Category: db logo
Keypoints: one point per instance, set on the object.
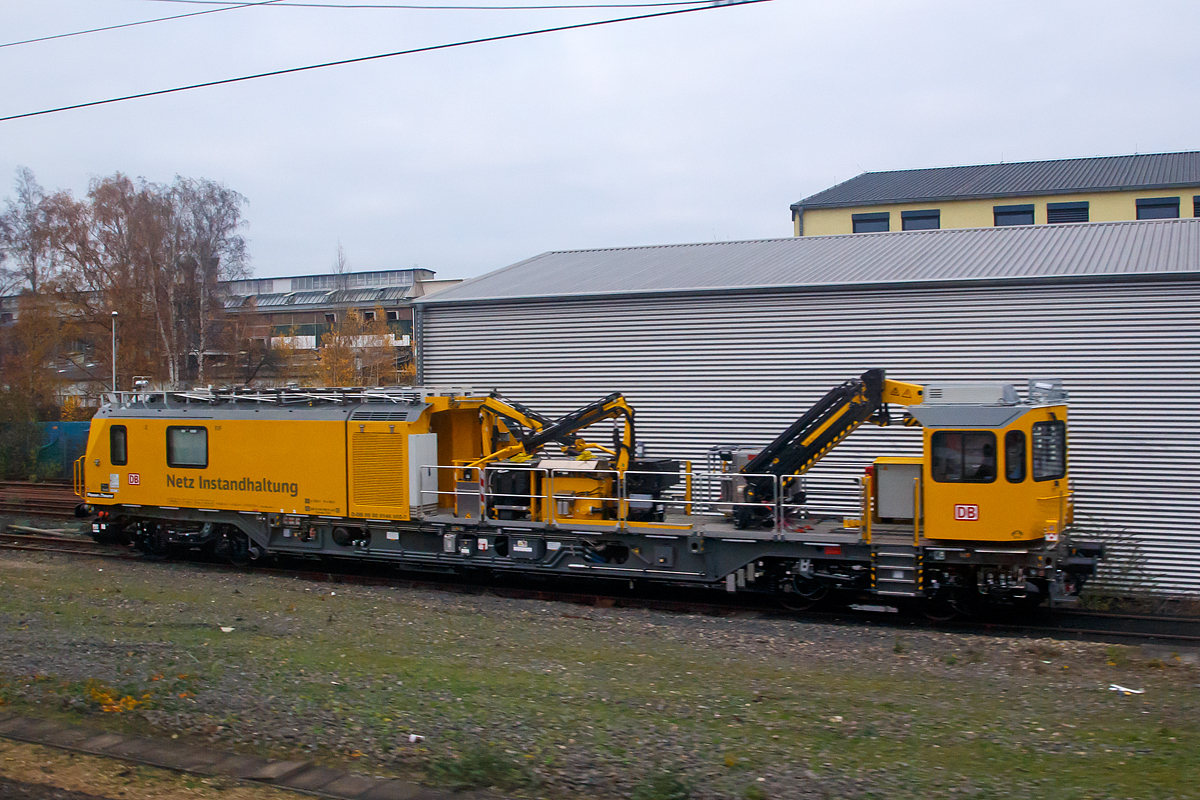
(967, 513)
(135, 479)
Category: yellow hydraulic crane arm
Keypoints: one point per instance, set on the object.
(542, 431)
(906, 394)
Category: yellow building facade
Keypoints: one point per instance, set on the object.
(1119, 188)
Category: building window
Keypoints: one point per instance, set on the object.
(1013, 215)
(1195, 207)
(872, 223)
(964, 456)
(925, 220)
(187, 447)
(1049, 450)
(1066, 212)
(1014, 456)
(331, 319)
(1158, 208)
(393, 316)
(368, 316)
(118, 452)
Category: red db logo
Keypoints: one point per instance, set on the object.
(135, 479)
(966, 513)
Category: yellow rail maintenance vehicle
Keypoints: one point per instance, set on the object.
(453, 479)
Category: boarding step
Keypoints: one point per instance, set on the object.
(896, 570)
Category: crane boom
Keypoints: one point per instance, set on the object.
(830, 420)
(542, 432)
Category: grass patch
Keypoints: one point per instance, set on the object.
(480, 767)
(718, 701)
(755, 792)
(662, 786)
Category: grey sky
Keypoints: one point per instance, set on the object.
(692, 128)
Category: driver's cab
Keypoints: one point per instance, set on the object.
(994, 466)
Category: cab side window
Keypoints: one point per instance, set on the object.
(1014, 456)
(187, 447)
(1049, 444)
(964, 456)
(118, 447)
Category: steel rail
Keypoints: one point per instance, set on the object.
(1049, 623)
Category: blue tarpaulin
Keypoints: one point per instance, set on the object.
(62, 444)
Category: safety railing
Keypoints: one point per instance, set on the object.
(77, 476)
(791, 513)
(536, 505)
(606, 497)
(459, 493)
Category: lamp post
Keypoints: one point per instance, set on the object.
(114, 332)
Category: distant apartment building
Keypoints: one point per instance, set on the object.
(1104, 189)
(304, 307)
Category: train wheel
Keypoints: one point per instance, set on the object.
(798, 593)
(156, 542)
(241, 550)
(947, 603)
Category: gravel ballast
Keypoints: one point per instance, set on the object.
(547, 699)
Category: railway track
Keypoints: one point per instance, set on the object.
(53, 500)
(1182, 632)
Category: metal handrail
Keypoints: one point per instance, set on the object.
(916, 512)
(457, 494)
(549, 512)
(868, 507)
(77, 476)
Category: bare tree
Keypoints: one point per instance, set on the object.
(339, 267)
(115, 250)
(211, 250)
(10, 277)
(24, 233)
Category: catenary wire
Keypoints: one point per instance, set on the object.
(360, 6)
(361, 59)
(226, 7)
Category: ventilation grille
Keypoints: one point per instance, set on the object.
(380, 416)
(379, 470)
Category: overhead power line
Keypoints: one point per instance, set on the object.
(226, 7)
(459, 8)
(361, 59)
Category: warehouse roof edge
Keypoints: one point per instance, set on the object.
(1068, 253)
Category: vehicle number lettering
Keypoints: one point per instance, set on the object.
(965, 512)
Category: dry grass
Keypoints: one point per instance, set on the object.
(31, 763)
(552, 700)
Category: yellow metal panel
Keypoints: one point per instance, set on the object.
(379, 470)
(909, 394)
(999, 511)
(292, 466)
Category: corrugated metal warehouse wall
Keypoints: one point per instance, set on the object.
(708, 369)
